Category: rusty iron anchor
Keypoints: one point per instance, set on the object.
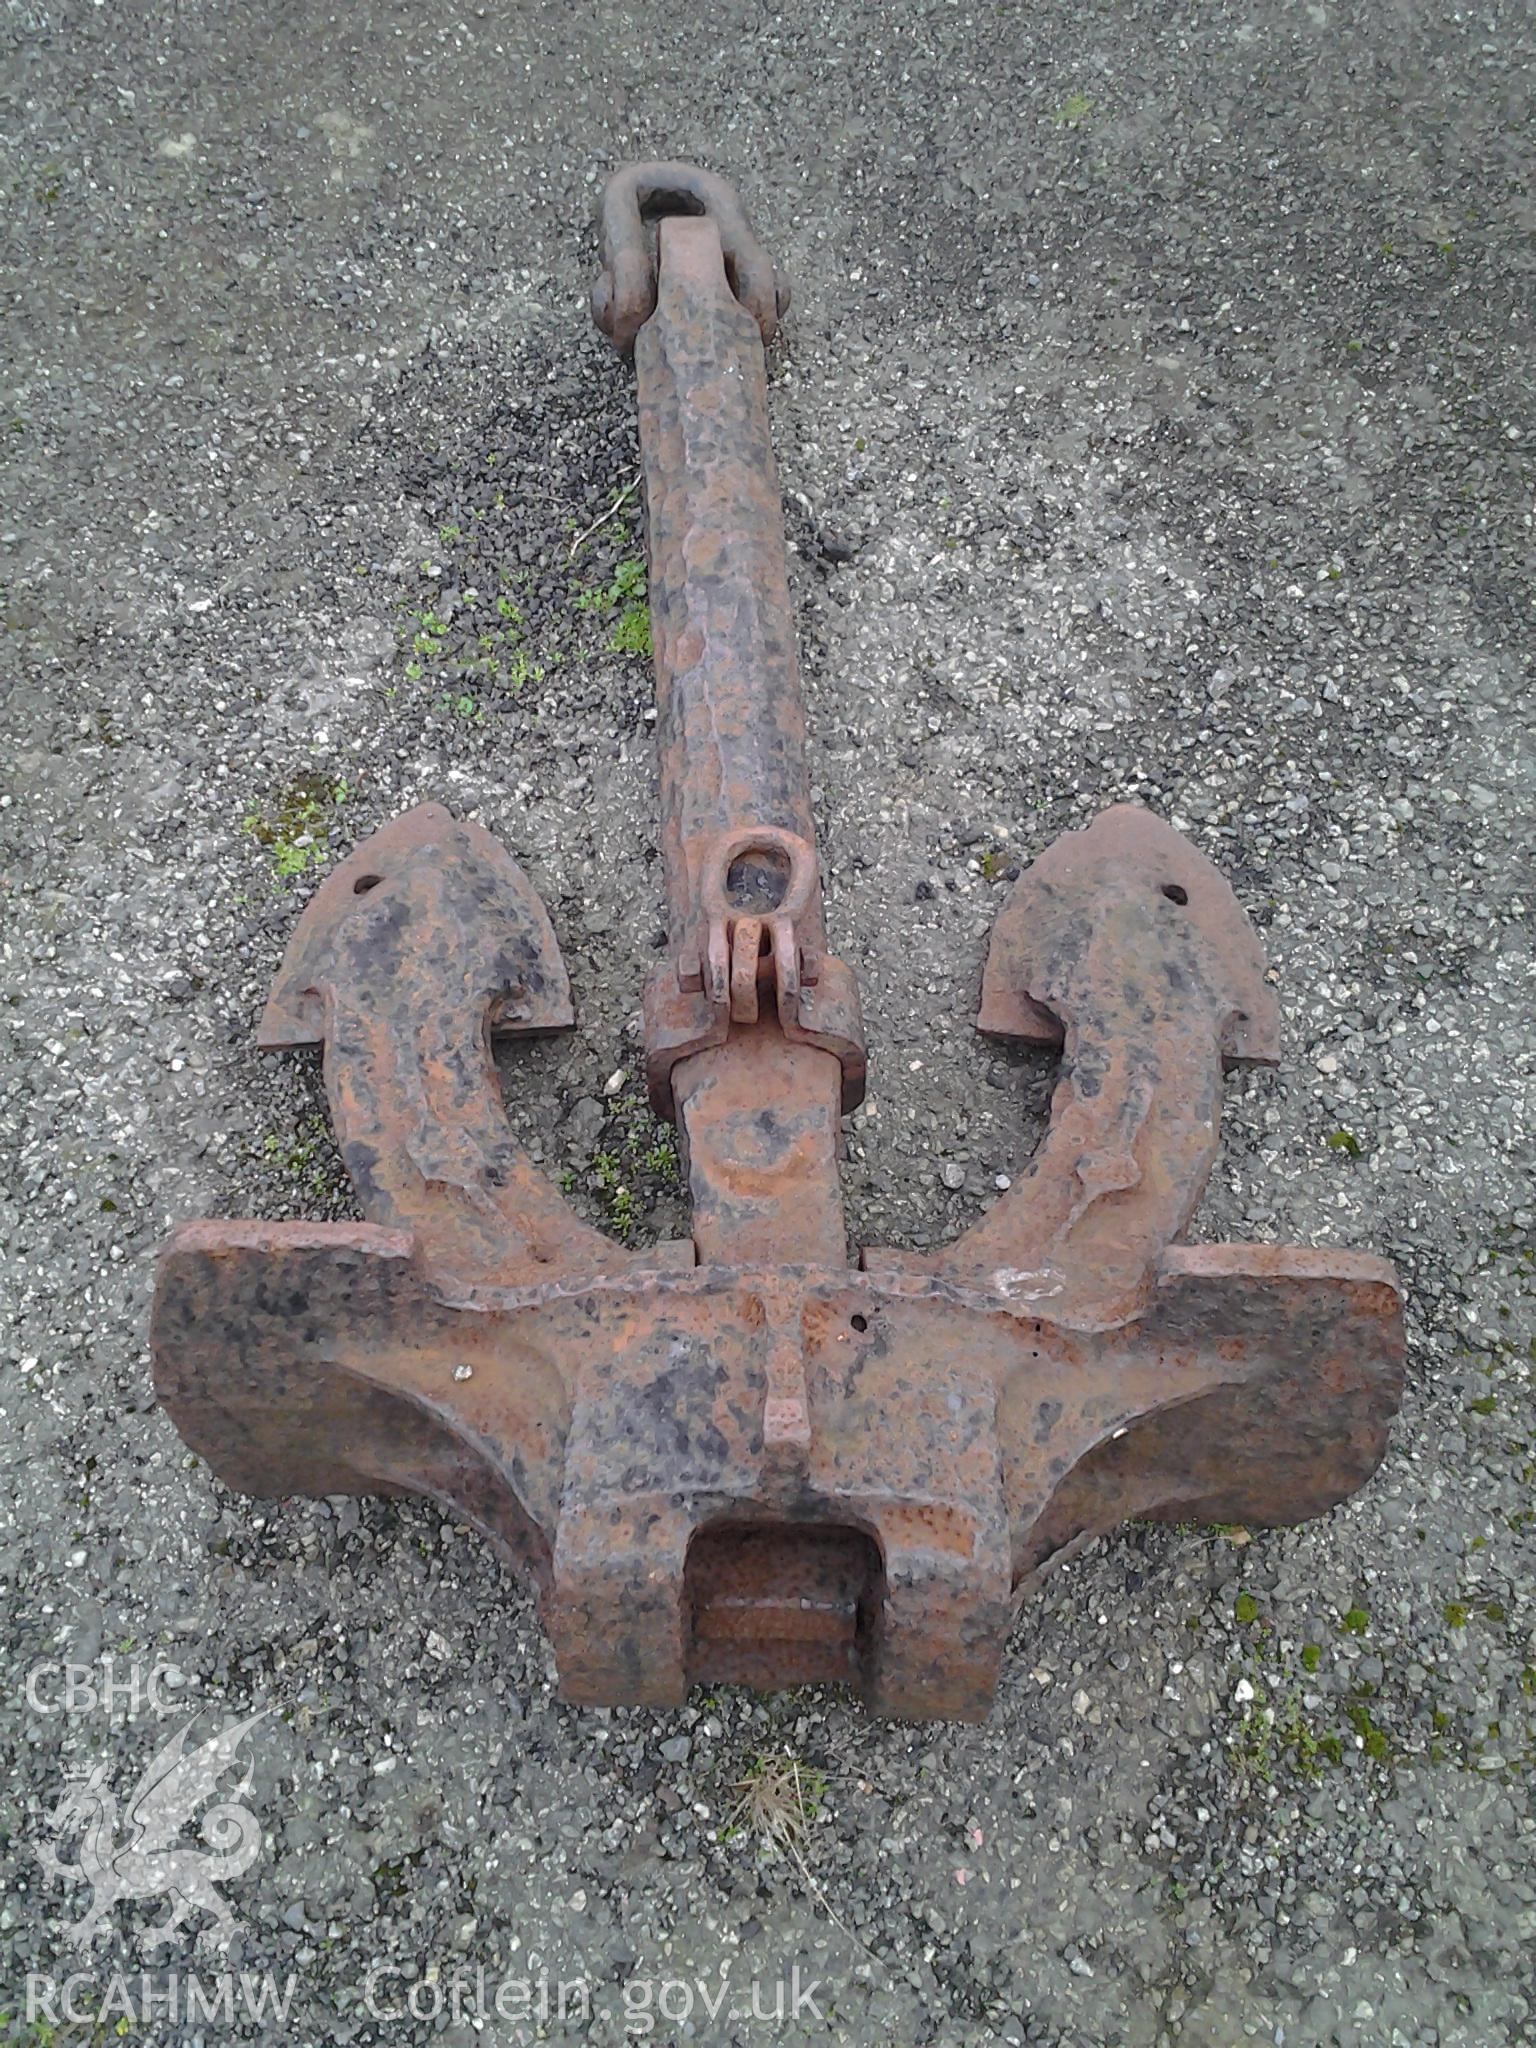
(747, 1458)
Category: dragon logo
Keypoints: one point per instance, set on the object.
(138, 1856)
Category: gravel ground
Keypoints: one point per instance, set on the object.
(1154, 421)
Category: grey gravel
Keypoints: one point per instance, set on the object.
(1154, 421)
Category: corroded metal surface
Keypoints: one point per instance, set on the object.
(743, 1459)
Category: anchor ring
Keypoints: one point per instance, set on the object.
(624, 296)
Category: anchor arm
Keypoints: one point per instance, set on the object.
(426, 940)
(1123, 943)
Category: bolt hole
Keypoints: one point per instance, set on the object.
(860, 1323)
(1174, 893)
(364, 883)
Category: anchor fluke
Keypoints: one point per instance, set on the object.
(423, 872)
(1128, 914)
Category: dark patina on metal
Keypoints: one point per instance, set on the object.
(749, 1457)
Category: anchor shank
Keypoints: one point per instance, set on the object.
(746, 930)
(730, 720)
(734, 1038)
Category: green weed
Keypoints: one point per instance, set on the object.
(293, 828)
